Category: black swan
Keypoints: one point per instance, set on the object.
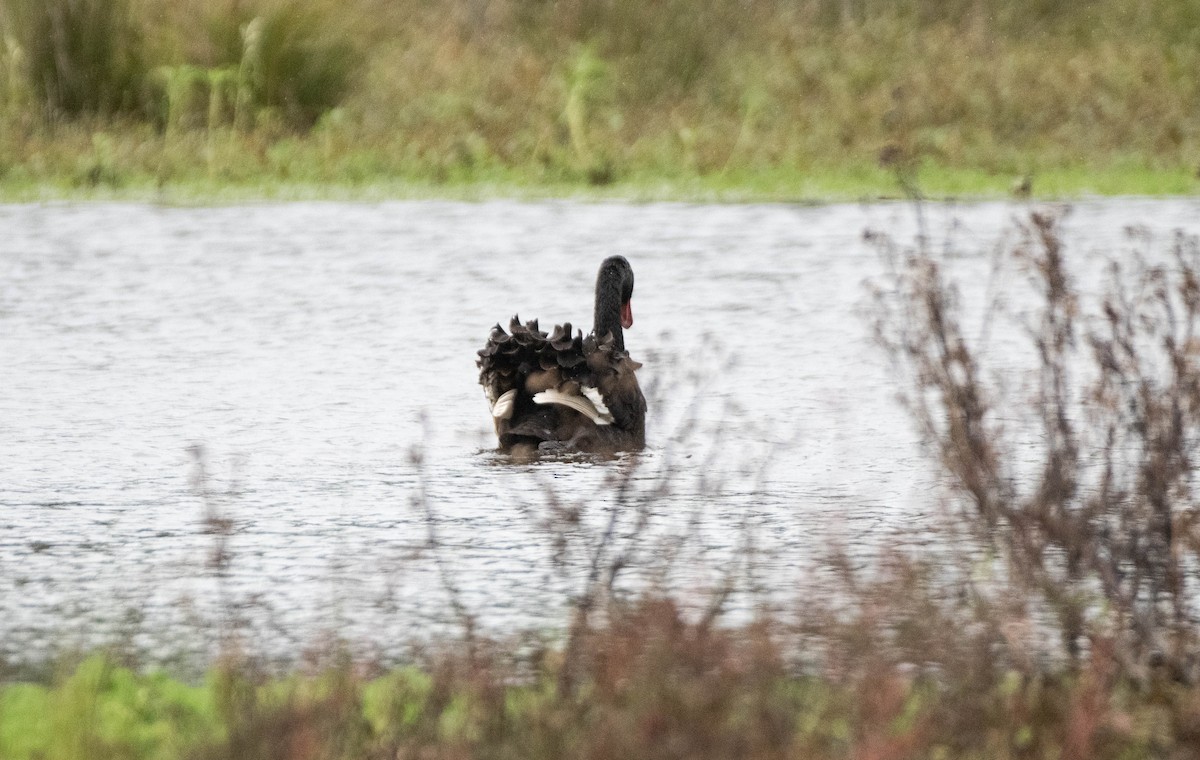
(563, 392)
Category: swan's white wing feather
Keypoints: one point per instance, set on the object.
(579, 403)
(593, 394)
(503, 408)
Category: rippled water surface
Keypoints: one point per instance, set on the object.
(300, 354)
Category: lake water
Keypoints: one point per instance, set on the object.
(299, 354)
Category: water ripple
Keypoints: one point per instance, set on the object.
(310, 348)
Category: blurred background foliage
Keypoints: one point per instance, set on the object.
(592, 90)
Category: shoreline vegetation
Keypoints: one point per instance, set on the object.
(681, 100)
(836, 185)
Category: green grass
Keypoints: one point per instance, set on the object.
(835, 184)
(652, 686)
(763, 99)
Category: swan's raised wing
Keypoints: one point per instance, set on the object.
(613, 376)
(506, 357)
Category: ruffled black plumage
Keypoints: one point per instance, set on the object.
(562, 390)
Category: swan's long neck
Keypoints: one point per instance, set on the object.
(607, 318)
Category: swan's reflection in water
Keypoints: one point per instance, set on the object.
(313, 348)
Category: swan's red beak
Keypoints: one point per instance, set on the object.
(627, 315)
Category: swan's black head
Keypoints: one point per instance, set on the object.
(614, 291)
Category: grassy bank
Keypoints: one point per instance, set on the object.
(835, 184)
(761, 99)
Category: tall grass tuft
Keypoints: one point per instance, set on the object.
(292, 58)
(80, 57)
(14, 83)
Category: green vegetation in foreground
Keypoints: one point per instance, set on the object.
(658, 687)
(682, 99)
